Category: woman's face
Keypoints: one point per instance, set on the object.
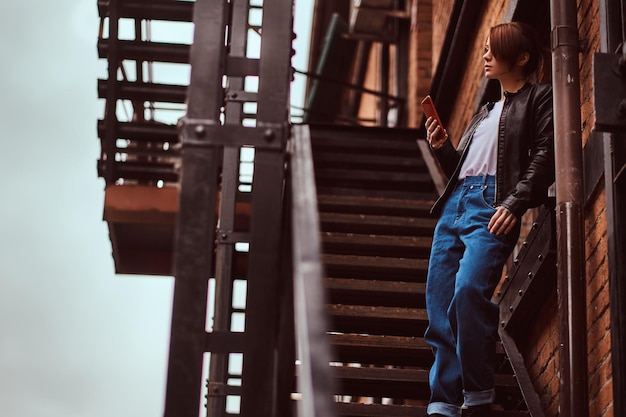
(494, 69)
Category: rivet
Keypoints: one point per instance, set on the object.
(520, 293)
(268, 135)
(530, 275)
(510, 308)
(200, 131)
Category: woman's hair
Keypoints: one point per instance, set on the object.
(509, 40)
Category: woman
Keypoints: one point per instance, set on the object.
(503, 165)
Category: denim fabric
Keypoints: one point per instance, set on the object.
(466, 263)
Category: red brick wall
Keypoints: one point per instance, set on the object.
(596, 251)
(420, 58)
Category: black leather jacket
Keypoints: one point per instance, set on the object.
(525, 150)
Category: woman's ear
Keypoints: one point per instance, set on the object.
(523, 59)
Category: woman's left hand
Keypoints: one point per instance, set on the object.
(502, 221)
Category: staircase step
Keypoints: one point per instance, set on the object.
(389, 382)
(372, 180)
(376, 224)
(372, 245)
(375, 292)
(377, 320)
(366, 144)
(404, 162)
(355, 409)
(358, 204)
(381, 350)
(375, 267)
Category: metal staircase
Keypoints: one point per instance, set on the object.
(374, 194)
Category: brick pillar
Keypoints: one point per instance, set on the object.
(420, 58)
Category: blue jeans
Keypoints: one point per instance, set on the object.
(466, 263)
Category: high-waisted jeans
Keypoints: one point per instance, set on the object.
(466, 263)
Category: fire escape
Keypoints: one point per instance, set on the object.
(323, 228)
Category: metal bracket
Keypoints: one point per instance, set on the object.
(609, 79)
(225, 237)
(206, 132)
(564, 36)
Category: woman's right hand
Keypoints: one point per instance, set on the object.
(435, 134)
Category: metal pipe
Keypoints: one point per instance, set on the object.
(572, 329)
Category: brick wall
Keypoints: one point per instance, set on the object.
(596, 250)
(420, 58)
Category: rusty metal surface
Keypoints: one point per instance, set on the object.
(572, 328)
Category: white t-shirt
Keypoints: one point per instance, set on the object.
(483, 151)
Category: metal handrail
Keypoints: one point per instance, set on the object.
(314, 379)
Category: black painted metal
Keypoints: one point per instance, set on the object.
(108, 156)
(262, 317)
(196, 219)
(610, 91)
(533, 275)
(227, 236)
(612, 35)
(530, 282)
(615, 182)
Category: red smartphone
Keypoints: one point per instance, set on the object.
(430, 110)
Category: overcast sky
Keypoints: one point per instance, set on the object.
(76, 340)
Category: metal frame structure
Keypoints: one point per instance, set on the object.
(213, 132)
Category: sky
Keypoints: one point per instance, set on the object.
(75, 338)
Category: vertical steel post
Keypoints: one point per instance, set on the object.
(259, 399)
(196, 216)
(224, 253)
(571, 284)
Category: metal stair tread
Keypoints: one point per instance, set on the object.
(375, 262)
(327, 219)
(341, 238)
(392, 177)
(376, 286)
(378, 312)
(327, 158)
(332, 202)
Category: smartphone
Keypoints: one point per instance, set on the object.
(430, 110)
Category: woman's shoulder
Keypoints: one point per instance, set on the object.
(538, 89)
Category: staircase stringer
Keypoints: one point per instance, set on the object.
(530, 282)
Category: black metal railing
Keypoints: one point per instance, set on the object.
(315, 381)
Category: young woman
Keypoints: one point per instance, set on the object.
(503, 165)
